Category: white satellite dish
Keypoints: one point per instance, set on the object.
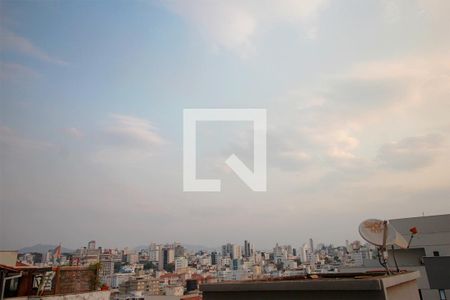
(381, 233)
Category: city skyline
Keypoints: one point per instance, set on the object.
(187, 245)
(405, 248)
(92, 98)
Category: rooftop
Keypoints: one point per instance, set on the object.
(338, 281)
(373, 285)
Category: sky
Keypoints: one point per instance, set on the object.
(92, 94)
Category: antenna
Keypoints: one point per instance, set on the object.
(382, 234)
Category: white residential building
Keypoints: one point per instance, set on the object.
(180, 263)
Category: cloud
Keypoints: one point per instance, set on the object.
(412, 152)
(233, 25)
(134, 131)
(14, 71)
(13, 142)
(341, 144)
(13, 43)
(398, 10)
(128, 139)
(73, 132)
(335, 114)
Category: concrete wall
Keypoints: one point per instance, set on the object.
(397, 287)
(98, 295)
(162, 297)
(407, 290)
(290, 295)
(433, 294)
(422, 281)
(433, 232)
(438, 271)
(8, 258)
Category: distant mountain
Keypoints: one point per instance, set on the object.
(190, 248)
(40, 248)
(195, 248)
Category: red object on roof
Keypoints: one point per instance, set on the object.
(169, 275)
(57, 252)
(197, 276)
(413, 230)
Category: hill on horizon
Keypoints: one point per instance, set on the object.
(42, 248)
(188, 247)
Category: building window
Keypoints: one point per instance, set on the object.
(13, 285)
(435, 253)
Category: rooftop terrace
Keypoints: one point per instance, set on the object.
(367, 286)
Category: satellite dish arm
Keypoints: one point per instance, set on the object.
(383, 249)
(385, 231)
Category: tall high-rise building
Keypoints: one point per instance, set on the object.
(279, 254)
(233, 251)
(91, 245)
(153, 252)
(166, 257)
(236, 252)
(181, 263)
(236, 264)
(106, 268)
(227, 249)
(307, 254)
(179, 251)
(248, 249)
(214, 258)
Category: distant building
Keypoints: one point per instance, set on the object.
(139, 285)
(118, 278)
(248, 249)
(167, 256)
(174, 290)
(132, 258)
(279, 254)
(226, 250)
(91, 245)
(236, 252)
(236, 263)
(307, 253)
(179, 251)
(311, 245)
(106, 268)
(181, 263)
(214, 258)
(153, 252)
(232, 250)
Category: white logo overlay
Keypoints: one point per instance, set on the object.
(256, 180)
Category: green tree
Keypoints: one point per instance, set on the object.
(170, 267)
(149, 265)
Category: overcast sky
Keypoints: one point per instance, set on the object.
(92, 93)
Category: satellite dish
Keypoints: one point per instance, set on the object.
(381, 233)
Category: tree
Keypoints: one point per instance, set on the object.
(94, 276)
(117, 266)
(280, 266)
(170, 267)
(149, 265)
